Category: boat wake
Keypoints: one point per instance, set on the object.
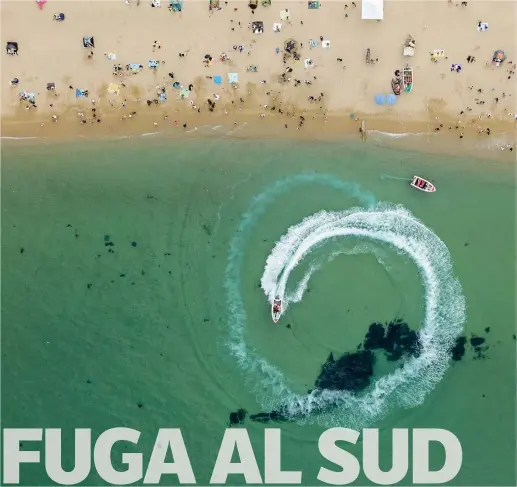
(391, 225)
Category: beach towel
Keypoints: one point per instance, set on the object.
(313, 43)
(111, 56)
(308, 63)
(233, 78)
(313, 5)
(391, 99)
(277, 27)
(163, 97)
(153, 64)
(28, 96)
(114, 89)
(482, 26)
(184, 93)
(218, 80)
(325, 44)
(285, 14)
(81, 93)
(135, 68)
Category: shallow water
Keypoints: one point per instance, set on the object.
(100, 333)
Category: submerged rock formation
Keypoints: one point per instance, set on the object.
(353, 371)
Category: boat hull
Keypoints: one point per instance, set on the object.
(428, 187)
(275, 315)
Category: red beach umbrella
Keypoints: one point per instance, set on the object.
(41, 3)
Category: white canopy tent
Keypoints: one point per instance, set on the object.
(372, 10)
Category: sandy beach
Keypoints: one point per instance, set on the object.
(280, 96)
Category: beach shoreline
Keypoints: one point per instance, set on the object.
(475, 108)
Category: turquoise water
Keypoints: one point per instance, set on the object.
(99, 336)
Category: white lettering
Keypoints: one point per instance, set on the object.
(12, 454)
(400, 452)
(453, 456)
(330, 451)
(102, 457)
(247, 466)
(172, 438)
(83, 456)
(273, 473)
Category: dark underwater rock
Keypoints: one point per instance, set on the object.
(475, 341)
(458, 350)
(397, 340)
(350, 372)
(267, 417)
(238, 417)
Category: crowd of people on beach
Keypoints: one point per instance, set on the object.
(196, 100)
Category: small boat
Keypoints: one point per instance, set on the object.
(407, 79)
(422, 184)
(276, 309)
(396, 85)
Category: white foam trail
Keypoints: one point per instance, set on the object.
(398, 135)
(445, 308)
(20, 138)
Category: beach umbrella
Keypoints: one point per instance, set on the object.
(290, 45)
(380, 99)
(41, 3)
(391, 99)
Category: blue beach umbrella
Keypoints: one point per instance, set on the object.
(380, 99)
(392, 99)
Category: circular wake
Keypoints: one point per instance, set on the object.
(387, 224)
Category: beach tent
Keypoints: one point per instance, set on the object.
(372, 10)
(257, 27)
(176, 5)
(11, 48)
(88, 42)
(290, 45)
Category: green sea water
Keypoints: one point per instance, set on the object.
(115, 300)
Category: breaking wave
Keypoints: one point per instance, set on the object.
(392, 225)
